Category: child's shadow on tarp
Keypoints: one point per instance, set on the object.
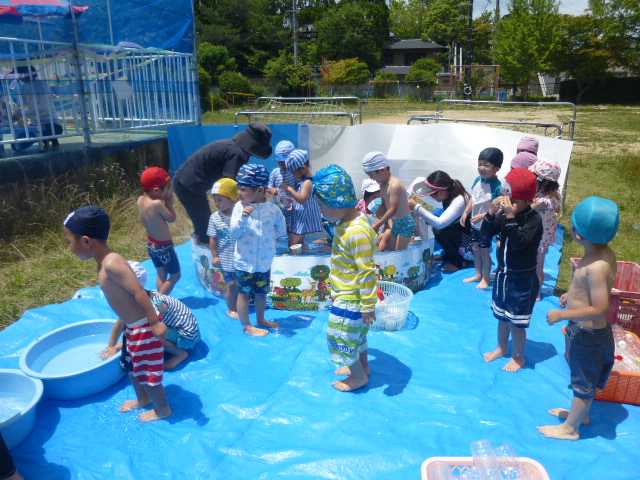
(185, 405)
(605, 417)
(195, 303)
(199, 351)
(289, 325)
(537, 352)
(48, 417)
(387, 370)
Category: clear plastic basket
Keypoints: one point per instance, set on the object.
(391, 314)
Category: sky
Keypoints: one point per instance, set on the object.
(570, 7)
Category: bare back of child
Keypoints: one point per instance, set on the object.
(87, 229)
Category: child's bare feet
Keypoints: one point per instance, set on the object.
(559, 431)
(131, 405)
(351, 383)
(268, 323)
(233, 314)
(483, 285)
(515, 364)
(254, 331)
(497, 353)
(176, 359)
(153, 415)
(564, 413)
(347, 371)
(476, 278)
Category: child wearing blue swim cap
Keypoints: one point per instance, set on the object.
(87, 231)
(255, 225)
(590, 341)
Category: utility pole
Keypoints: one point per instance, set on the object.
(295, 32)
(467, 74)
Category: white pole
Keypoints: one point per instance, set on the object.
(110, 22)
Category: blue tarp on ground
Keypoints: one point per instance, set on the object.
(265, 408)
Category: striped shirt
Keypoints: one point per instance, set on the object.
(179, 316)
(219, 229)
(307, 217)
(353, 270)
(279, 176)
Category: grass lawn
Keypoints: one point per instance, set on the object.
(36, 267)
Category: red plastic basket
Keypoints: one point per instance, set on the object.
(624, 301)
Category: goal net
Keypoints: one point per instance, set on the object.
(318, 110)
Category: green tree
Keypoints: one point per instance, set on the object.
(385, 76)
(483, 39)
(354, 28)
(407, 18)
(215, 59)
(423, 72)
(582, 52)
(234, 82)
(350, 71)
(620, 24)
(447, 23)
(248, 28)
(291, 80)
(526, 39)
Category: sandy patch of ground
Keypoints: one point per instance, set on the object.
(555, 116)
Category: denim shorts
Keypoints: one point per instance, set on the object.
(591, 357)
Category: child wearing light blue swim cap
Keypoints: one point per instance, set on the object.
(353, 277)
(590, 341)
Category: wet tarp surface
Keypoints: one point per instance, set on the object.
(250, 408)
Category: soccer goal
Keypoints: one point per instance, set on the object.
(323, 110)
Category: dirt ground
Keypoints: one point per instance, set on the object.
(556, 115)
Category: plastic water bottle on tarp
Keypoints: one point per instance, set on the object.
(627, 354)
(509, 462)
(485, 460)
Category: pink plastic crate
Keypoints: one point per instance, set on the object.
(459, 465)
(624, 301)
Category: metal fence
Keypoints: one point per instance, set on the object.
(50, 90)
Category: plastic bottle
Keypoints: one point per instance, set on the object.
(485, 460)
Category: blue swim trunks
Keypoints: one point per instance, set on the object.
(404, 227)
(257, 282)
(163, 255)
(514, 296)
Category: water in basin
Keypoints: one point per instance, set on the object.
(72, 356)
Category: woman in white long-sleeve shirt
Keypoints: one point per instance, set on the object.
(447, 229)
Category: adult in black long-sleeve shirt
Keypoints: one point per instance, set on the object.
(222, 158)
